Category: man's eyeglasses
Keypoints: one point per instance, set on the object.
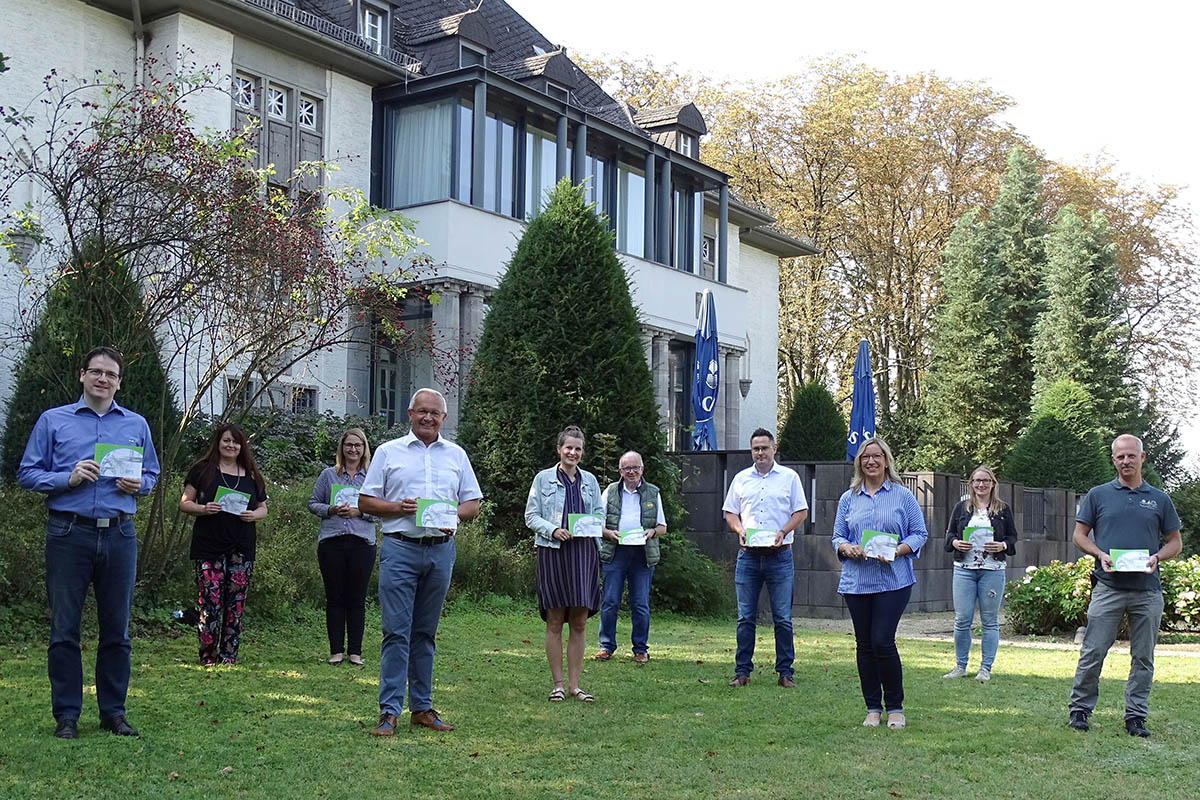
(630, 470)
(103, 373)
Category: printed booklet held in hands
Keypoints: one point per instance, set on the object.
(341, 494)
(437, 514)
(119, 460)
(232, 501)
(585, 526)
(876, 544)
(1129, 560)
(633, 536)
(760, 537)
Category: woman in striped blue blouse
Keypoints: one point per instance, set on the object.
(874, 515)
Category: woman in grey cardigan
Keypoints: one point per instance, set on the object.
(345, 545)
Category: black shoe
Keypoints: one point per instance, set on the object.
(66, 729)
(117, 725)
(1136, 726)
(1078, 721)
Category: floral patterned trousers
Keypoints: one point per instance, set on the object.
(221, 587)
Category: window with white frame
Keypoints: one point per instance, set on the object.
(373, 25)
(686, 144)
(277, 102)
(244, 91)
(306, 112)
(708, 249)
(239, 393)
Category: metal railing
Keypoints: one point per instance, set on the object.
(287, 10)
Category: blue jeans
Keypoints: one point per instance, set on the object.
(777, 571)
(413, 580)
(880, 674)
(79, 555)
(984, 587)
(629, 562)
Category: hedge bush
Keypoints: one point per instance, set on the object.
(1054, 598)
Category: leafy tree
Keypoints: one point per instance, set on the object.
(560, 346)
(1186, 498)
(243, 273)
(815, 429)
(1078, 337)
(92, 303)
(1061, 446)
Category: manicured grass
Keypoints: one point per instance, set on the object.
(283, 724)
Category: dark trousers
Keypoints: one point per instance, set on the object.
(875, 618)
(79, 555)
(346, 562)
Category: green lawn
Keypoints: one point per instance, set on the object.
(284, 724)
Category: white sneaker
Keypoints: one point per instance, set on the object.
(984, 674)
(957, 672)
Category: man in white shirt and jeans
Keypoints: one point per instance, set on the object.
(415, 562)
(765, 497)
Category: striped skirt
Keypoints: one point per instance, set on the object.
(569, 576)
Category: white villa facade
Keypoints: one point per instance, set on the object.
(459, 114)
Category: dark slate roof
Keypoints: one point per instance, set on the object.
(684, 115)
(468, 24)
(514, 39)
(555, 66)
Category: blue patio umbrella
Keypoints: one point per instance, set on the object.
(862, 403)
(706, 378)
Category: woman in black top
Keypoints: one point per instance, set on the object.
(980, 558)
(226, 494)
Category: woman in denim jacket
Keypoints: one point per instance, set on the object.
(568, 583)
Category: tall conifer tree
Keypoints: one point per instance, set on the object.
(1078, 336)
(561, 346)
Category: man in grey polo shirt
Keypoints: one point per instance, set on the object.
(1125, 514)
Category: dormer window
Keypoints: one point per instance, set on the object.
(686, 143)
(558, 92)
(471, 57)
(372, 25)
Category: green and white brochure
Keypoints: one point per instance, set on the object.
(760, 537)
(232, 501)
(585, 526)
(437, 513)
(1129, 560)
(978, 536)
(119, 460)
(633, 536)
(876, 544)
(341, 494)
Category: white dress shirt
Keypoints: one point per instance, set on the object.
(406, 467)
(766, 502)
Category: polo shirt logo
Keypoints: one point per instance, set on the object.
(1149, 504)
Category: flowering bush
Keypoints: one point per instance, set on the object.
(1054, 598)
(1181, 594)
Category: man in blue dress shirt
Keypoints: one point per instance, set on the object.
(89, 534)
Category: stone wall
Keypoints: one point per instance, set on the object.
(1045, 519)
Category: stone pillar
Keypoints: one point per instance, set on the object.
(478, 145)
(650, 219)
(664, 212)
(470, 329)
(733, 401)
(723, 234)
(659, 367)
(561, 150)
(579, 165)
(446, 337)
